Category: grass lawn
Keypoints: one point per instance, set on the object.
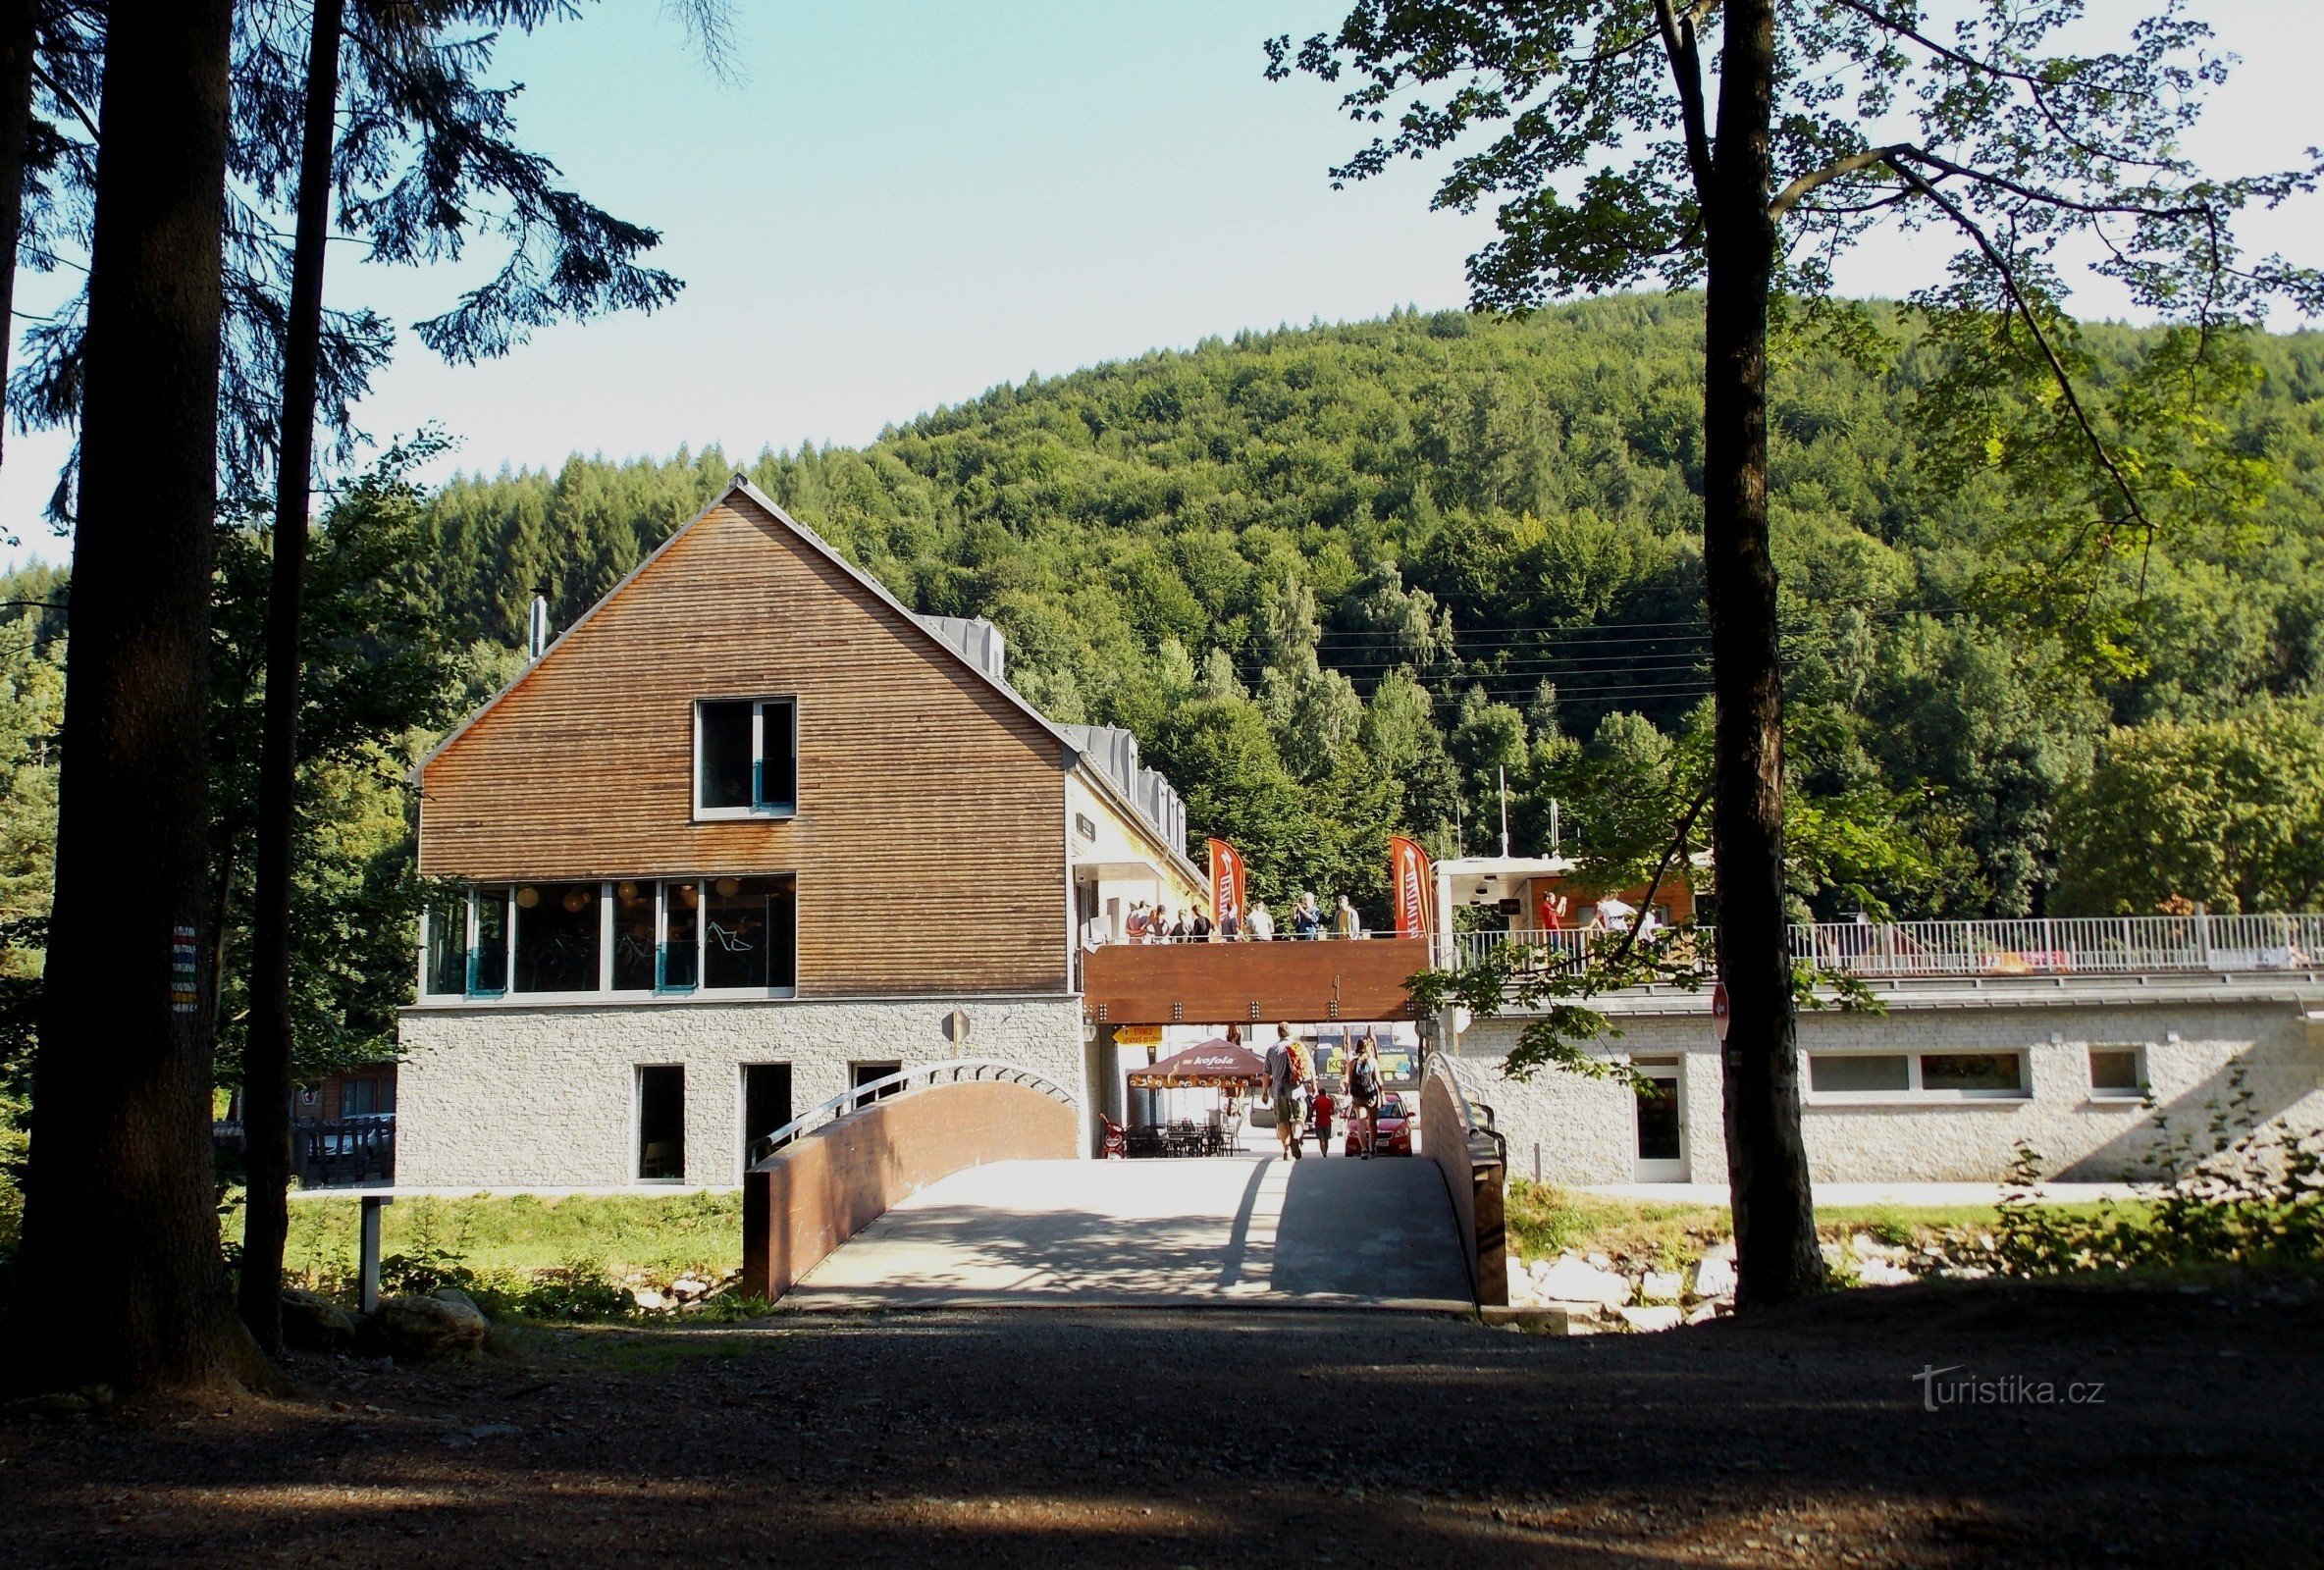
(1544, 1221)
(662, 1236)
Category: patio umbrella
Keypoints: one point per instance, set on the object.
(1213, 1064)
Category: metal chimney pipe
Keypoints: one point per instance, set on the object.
(536, 640)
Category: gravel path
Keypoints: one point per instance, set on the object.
(1068, 1436)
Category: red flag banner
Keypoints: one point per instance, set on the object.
(1411, 875)
(1225, 882)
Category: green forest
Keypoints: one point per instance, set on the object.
(1345, 581)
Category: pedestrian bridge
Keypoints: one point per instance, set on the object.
(954, 1183)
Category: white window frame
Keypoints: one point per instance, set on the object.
(2138, 1052)
(756, 810)
(1914, 1094)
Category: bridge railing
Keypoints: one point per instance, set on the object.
(920, 1077)
(1457, 1135)
(2112, 945)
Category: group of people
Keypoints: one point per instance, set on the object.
(1153, 923)
(1557, 915)
(1302, 1101)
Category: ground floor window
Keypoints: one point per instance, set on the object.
(863, 1074)
(661, 1123)
(2115, 1073)
(626, 936)
(1842, 1077)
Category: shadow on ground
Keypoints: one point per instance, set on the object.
(1164, 1438)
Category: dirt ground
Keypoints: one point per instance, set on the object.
(1059, 1437)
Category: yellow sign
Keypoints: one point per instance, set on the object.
(1137, 1035)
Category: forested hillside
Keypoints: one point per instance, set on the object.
(1340, 578)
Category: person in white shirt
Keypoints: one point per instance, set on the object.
(1261, 923)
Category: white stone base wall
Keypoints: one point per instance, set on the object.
(1587, 1133)
(511, 1095)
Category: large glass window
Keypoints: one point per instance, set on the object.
(681, 947)
(444, 968)
(558, 925)
(635, 941)
(749, 933)
(1967, 1072)
(1856, 1073)
(744, 757)
(488, 973)
(1916, 1077)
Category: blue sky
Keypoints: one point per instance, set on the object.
(901, 205)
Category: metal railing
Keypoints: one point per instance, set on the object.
(924, 1076)
(2111, 945)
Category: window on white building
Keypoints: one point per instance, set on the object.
(2115, 1074)
(1844, 1076)
(661, 1123)
(640, 936)
(746, 757)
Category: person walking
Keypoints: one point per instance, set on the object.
(1324, 1108)
(1262, 922)
(1346, 923)
(1363, 1089)
(1286, 1087)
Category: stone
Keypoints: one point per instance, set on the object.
(313, 1323)
(421, 1329)
(1656, 1316)
(1725, 1252)
(649, 1299)
(1865, 1246)
(1661, 1287)
(1714, 1275)
(1601, 1261)
(1569, 1281)
(457, 1299)
(686, 1289)
(1880, 1272)
(1704, 1314)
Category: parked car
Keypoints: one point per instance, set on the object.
(1396, 1129)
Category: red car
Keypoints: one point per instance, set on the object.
(1396, 1129)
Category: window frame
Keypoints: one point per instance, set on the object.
(1914, 1094)
(477, 898)
(637, 1122)
(2134, 1096)
(760, 807)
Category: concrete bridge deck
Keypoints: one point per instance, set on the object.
(1230, 1231)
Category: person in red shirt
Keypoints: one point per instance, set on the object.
(1320, 1115)
(1552, 910)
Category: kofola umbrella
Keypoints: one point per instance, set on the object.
(1213, 1064)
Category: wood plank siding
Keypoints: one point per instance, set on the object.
(928, 843)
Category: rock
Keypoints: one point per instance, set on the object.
(457, 1299)
(1658, 1317)
(1714, 1275)
(1704, 1314)
(1569, 1281)
(686, 1289)
(313, 1323)
(1865, 1246)
(1880, 1272)
(649, 1299)
(1661, 1287)
(1725, 1252)
(1601, 1261)
(418, 1329)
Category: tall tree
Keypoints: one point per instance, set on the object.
(425, 144)
(266, 1058)
(118, 1193)
(1831, 116)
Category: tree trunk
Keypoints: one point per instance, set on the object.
(1766, 1162)
(267, 1049)
(124, 1283)
(19, 35)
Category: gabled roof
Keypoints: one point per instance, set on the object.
(934, 629)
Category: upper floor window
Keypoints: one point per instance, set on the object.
(746, 757)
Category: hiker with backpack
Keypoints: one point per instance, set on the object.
(1363, 1092)
(1291, 1078)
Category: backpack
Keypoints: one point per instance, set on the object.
(1365, 1078)
(1303, 1068)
